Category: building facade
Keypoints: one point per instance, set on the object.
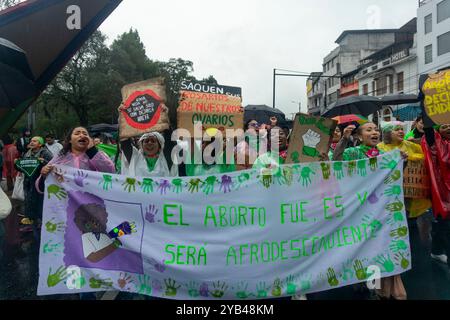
(353, 46)
(392, 70)
(315, 93)
(433, 35)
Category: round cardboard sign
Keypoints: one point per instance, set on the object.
(142, 109)
(437, 97)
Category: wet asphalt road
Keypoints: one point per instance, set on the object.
(428, 280)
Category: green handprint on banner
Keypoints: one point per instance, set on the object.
(208, 187)
(385, 262)
(398, 245)
(276, 288)
(266, 179)
(305, 282)
(242, 291)
(326, 170)
(395, 206)
(402, 260)
(389, 163)
(219, 289)
(360, 270)
(177, 185)
(393, 191)
(145, 286)
(362, 171)
(57, 277)
(194, 185)
(98, 283)
(351, 168)
(347, 270)
(56, 191)
(193, 289)
(288, 174)
(50, 247)
(53, 227)
(242, 179)
(106, 182)
(129, 184)
(338, 170)
(373, 163)
(291, 285)
(396, 217)
(332, 279)
(395, 176)
(375, 225)
(306, 176)
(262, 290)
(147, 185)
(399, 233)
(295, 157)
(171, 287)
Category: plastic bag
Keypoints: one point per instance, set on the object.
(5, 205)
(18, 192)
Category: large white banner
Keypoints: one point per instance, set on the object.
(244, 235)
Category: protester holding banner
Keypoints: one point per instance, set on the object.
(79, 152)
(369, 136)
(393, 138)
(225, 163)
(30, 164)
(149, 160)
(277, 153)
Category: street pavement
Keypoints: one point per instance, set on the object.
(428, 279)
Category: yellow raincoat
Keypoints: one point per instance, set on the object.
(415, 207)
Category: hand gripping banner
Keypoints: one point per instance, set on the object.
(245, 235)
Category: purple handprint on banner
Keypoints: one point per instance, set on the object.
(151, 213)
(204, 290)
(226, 184)
(163, 186)
(79, 178)
(159, 266)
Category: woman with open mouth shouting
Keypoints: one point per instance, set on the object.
(78, 152)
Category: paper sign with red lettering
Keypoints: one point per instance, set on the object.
(143, 108)
(211, 105)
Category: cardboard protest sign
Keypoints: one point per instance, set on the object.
(416, 181)
(144, 108)
(28, 166)
(212, 105)
(220, 236)
(310, 137)
(437, 97)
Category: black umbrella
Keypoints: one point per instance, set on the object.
(15, 88)
(263, 113)
(103, 127)
(363, 105)
(15, 57)
(396, 99)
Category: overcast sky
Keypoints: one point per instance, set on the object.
(240, 42)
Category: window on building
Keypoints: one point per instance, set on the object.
(381, 86)
(391, 83)
(428, 54)
(443, 43)
(400, 81)
(443, 10)
(366, 89)
(374, 87)
(428, 23)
